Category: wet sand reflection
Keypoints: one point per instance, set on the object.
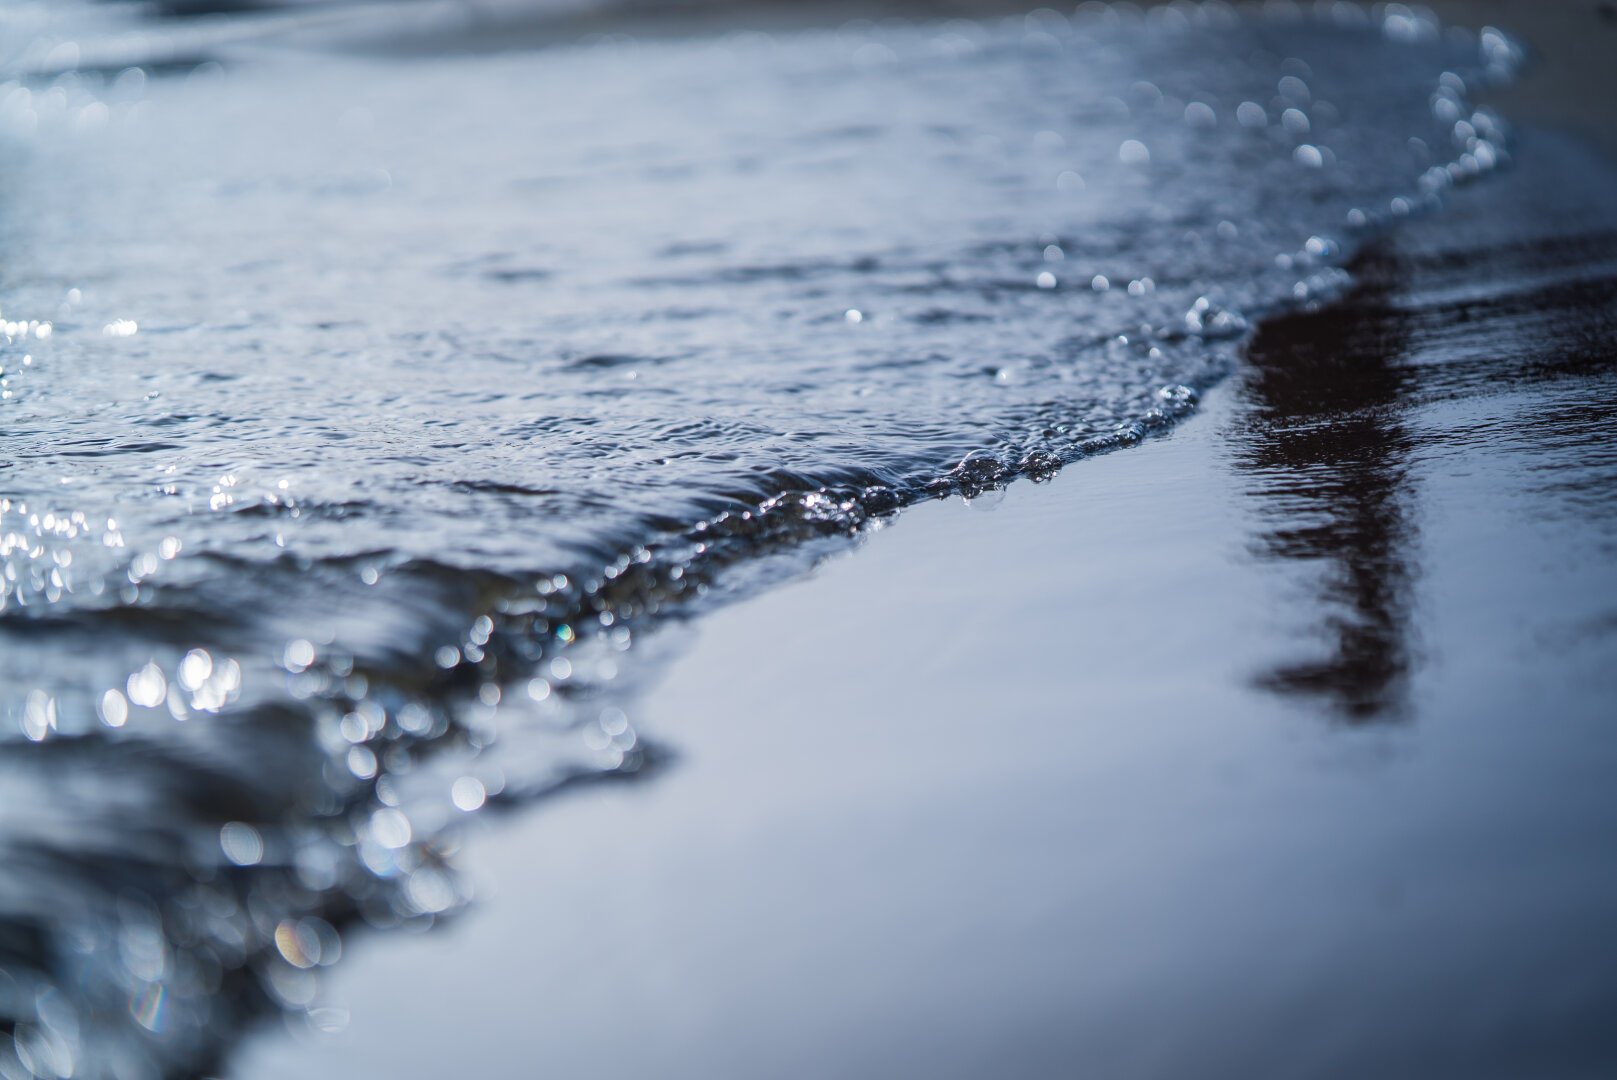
(1327, 451)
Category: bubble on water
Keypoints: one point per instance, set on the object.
(195, 668)
(613, 720)
(241, 843)
(1200, 115)
(147, 687)
(978, 472)
(114, 709)
(390, 828)
(38, 715)
(1178, 398)
(468, 793)
(298, 655)
(303, 943)
(1295, 91)
(362, 762)
(430, 890)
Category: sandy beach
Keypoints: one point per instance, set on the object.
(614, 539)
(1278, 746)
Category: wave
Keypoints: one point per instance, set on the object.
(374, 422)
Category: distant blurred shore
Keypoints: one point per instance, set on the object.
(1570, 81)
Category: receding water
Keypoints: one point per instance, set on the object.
(369, 393)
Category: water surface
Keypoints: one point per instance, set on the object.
(365, 402)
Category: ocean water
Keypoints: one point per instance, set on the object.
(372, 392)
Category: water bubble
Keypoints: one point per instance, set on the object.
(241, 843)
(390, 828)
(1200, 115)
(978, 472)
(39, 715)
(613, 720)
(299, 655)
(468, 793)
(194, 669)
(430, 890)
(114, 709)
(362, 762)
(298, 942)
(147, 687)
(1049, 142)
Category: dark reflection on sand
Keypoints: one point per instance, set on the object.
(1509, 316)
(1329, 458)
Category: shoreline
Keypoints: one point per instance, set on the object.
(1276, 744)
(1279, 743)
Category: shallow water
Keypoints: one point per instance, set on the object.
(365, 403)
(1292, 758)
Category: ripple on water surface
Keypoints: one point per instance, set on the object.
(361, 413)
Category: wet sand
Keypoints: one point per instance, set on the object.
(1278, 746)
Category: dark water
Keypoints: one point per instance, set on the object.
(366, 401)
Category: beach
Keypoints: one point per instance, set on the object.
(583, 541)
(1275, 746)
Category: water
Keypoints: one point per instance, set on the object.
(368, 397)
